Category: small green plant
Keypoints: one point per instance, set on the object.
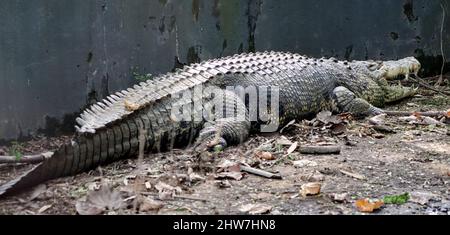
(396, 199)
(140, 77)
(15, 150)
(79, 192)
(279, 148)
(218, 149)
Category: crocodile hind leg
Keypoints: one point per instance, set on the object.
(347, 101)
(230, 124)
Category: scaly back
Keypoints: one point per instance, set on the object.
(116, 107)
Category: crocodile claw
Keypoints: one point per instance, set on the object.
(211, 144)
(376, 111)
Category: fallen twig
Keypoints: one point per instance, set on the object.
(333, 149)
(185, 197)
(425, 114)
(354, 175)
(28, 159)
(259, 172)
(429, 86)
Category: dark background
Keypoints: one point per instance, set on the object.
(57, 56)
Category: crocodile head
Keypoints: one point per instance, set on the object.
(406, 66)
(389, 69)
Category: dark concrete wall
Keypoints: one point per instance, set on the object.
(57, 56)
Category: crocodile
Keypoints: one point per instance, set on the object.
(110, 130)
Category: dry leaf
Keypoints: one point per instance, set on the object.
(416, 118)
(326, 117)
(283, 141)
(44, 208)
(378, 120)
(166, 195)
(93, 186)
(86, 209)
(194, 177)
(304, 163)
(166, 191)
(378, 136)
(293, 147)
(354, 175)
(421, 198)
(408, 119)
(230, 175)
(163, 187)
(223, 184)
(256, 209)
(311, 189)
(339, 197)
(260, 196)
(129, 106)
(417, 115)
(345, 116)
(148, 204)
(229, 166)
(431, 121)
(288, 125)
(366, 205)
(317, 177)
(99, 201)
(338, 129)
(37, 191)
(226, 165)
(235, 168)
(265, 156)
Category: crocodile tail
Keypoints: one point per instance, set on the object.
(28, 179)
(85, 152)
(40, 173)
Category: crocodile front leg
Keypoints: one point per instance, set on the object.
(230, 124)
(347, 101)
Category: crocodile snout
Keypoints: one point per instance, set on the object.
(406, 67)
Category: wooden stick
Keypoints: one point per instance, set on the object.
(354, 175)
(259, 172)
(185, 197)
(425, 114)
(334, 149)
(27, 159)
(429, 87)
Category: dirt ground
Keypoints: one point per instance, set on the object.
(411, 157)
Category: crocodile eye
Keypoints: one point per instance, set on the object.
(372, 67)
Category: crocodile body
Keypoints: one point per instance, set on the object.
(109, 130)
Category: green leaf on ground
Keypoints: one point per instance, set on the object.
(15, 150)
(396, 199)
